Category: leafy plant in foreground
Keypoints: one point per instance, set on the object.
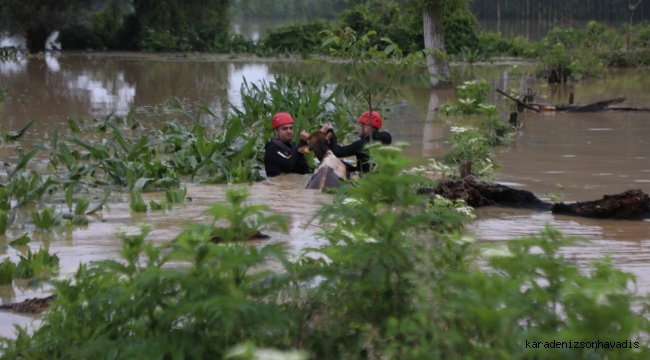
(527, 293)
(125, 308)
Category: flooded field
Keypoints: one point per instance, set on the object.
(588, 154)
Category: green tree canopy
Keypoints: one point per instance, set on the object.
(37, 19)
(199, 23)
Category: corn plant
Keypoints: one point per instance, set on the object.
(160, 206)
(37, 264)
(82, 205)
(4, 199)
(13, 136)
(243, 221)
(4, 222)
(46, 218)
(137, 203)
(7, 272)
(23, 240)
(175, 197)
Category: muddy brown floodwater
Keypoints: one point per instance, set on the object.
(588, 154)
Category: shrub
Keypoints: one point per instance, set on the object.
(302, 38)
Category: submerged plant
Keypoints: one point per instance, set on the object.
(243, 221)
(160, 206)
(7, 272)
(4, 222)
(472, 145)
(472, 97)
(137, 202)
(175, 197)
(46, 218)
(38, 264)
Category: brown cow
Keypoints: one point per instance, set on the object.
(331, 169)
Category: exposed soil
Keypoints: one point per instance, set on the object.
(30, 306)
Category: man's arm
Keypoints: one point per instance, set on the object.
(382, 136)
(344, 151)
(276, 162)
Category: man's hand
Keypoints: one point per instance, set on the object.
(304, 135)
(326, 128)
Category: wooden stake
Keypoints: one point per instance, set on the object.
(465, 169)
(513, 120)
(571, 88)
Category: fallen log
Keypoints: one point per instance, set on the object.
(30, 306)
(626, 108)
(629, 205)
(597, 106)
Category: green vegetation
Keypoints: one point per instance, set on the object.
(243, 221)
(389, 282)
(474, 144)
(137, 203)
(4, 222)
(373, 74)
(579, 53)
(46, 218)
(7, 272)
(175, 197)
(38, 265)
(35, 20)
(168, 25)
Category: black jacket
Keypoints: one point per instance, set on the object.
(284, 157)
(356, 148)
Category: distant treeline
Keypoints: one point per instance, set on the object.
(562, 10)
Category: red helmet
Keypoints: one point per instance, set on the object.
(371, 118)
(280, 119)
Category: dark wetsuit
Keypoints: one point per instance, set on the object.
(284, 157)
(357, 147)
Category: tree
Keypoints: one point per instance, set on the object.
(36, 20)
(201, 24)
(433, 12)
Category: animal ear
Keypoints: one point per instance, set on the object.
(328, 137)
(304, 149)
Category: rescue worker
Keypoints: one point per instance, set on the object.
(369, 124)
(282, 155)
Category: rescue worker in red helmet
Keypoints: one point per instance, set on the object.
(369, 124)
(282, 155)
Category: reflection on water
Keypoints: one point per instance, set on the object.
(589, 154)
(626, 242)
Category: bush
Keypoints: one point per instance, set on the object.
(302, 38)
(460, 29)
(75, 37)
(152, 40)
(390, 282)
